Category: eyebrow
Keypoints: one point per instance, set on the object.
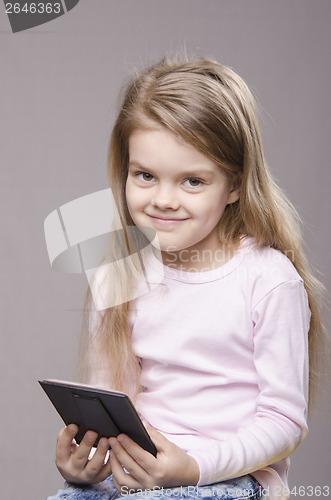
(190, 171)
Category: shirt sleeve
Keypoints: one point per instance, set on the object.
(280, 335)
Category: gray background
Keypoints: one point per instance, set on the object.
(59, 86)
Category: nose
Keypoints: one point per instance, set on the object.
(165, 198)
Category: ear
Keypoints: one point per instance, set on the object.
(234, 194)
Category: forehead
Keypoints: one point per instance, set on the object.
(160, 146)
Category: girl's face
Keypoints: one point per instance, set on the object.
(176, 190)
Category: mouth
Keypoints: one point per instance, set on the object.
(166, 220)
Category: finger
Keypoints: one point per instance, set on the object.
(96, 466)
(106, 471)
(81, 455)
(117, 486)
(161, 442)
(145, 423)
(65, 441)
(120, 477)
(134, 458)
(74, 446)
(158, 439)
(141, 456)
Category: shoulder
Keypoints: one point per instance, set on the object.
(266, 269)
(267, 261)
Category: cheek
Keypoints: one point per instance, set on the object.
(211, 215)
(127, 193)
(130, 201)
(131, 195)
(135, 198)
(209, 209)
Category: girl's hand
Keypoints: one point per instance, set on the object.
(172, 466)
(73, 462)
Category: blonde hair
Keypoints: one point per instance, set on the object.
(210, 107)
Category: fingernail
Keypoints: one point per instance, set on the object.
(91, 437)
(112, 441)
(104, 444)
(72, 428)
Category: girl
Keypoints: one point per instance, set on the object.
(216, 354)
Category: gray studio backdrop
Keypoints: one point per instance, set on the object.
(59, 95)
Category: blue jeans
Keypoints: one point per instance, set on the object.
(243, 488)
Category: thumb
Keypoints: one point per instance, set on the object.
(64, 441)
(158, 439)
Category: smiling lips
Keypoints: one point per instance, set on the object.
(165, 220)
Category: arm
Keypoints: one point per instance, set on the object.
(281, 323)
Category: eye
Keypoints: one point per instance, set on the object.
(193, 182)
(144, 176)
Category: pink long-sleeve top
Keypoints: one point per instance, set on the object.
(224, 364)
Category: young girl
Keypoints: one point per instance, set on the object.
(215, 356)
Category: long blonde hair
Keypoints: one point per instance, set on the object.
(210, 107)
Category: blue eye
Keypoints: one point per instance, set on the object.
(144, 176)
(193, 182)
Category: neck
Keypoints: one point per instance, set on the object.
(198, 260)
